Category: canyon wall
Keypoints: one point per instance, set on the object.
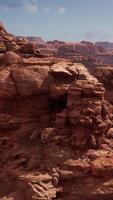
(56, 126)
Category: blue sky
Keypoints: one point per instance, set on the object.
(69, 20)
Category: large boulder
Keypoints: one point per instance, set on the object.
(7, 86)
(30, 80)
(27, 48)
(10, 58)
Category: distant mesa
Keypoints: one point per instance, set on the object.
(106, 45)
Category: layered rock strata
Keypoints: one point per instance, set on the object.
(55, 133)
(56, 127)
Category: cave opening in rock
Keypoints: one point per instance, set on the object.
(58, 105)
(58, 195)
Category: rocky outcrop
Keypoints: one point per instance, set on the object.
(30, 81)
(7, 41)
(49, 117)
(105, 58)
(20, 45)
(34, 40)
(106, 45)
(56, 127)
(87, 113)
(10, 58)
(105, 76)
(83, 49)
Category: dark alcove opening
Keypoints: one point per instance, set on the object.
(58, 105)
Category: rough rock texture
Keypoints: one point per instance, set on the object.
(35, 40)
(10, 58)
(17, 44)
(106, 58)
(56, 130)
(105, 76)
(7, 40)
(106, 45)
(71, 49)
(49, 117)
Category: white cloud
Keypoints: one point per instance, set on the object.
(61, 10)
(31, 7)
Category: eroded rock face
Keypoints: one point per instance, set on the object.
(10, 44)
(87, 113)
(56, 129)
(6, 84)
(10, 58)
(49, 117)
(105, 76)
(72, 49)
(30, 80)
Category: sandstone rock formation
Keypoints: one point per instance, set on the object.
(56, 129)
(92, 55)
(71, 49)
(34, 40)
(105, 76)
(106, 45)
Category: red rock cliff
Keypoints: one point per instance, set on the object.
(56, 128)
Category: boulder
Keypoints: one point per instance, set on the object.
(10, 58)
(7, 86)
(27, 48)
(59, 70)
(30, 80)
